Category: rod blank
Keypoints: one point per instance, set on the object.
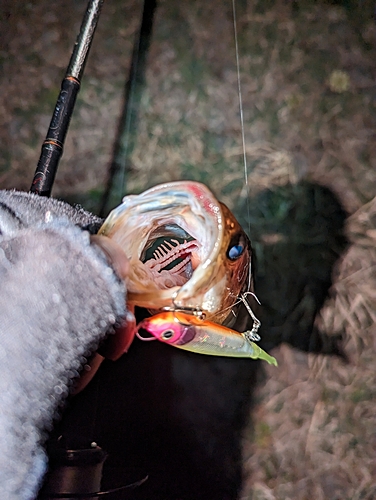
(52, 147)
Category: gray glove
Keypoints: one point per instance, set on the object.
(58, 299)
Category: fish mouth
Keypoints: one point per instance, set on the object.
(170, 255)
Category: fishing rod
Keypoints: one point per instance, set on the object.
(52, 148)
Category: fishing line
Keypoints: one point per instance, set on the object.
(241, 109)
(242, 129)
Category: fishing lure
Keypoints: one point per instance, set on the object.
(191, 333)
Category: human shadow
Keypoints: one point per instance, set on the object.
(297, 232)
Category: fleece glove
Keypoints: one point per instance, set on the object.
(59, 298)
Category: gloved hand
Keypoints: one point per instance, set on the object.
(113, 346)
(60, 296)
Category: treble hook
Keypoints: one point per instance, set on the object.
(251, 334)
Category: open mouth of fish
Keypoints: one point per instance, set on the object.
(186, 250)
(171, 255)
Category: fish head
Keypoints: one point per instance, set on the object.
(169, 327)
(186, 249)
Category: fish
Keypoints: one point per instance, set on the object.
(188, 332)
(186, 250)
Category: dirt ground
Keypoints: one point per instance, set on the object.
(308, 84)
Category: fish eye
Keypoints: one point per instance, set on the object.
(236, 247)
(167, 334)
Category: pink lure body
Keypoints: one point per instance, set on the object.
(200, 336)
